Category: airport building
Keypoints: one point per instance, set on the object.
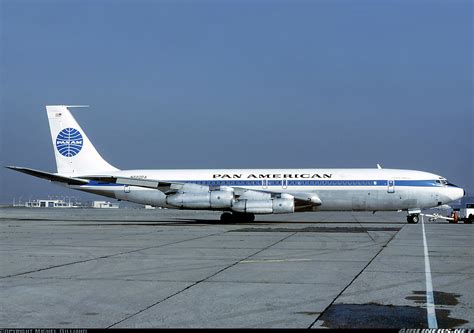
(60, 203)
(104, 204)
(48, 203)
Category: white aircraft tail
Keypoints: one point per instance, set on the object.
(74, 152)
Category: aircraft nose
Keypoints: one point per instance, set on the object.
(453, 193)
(458, 193)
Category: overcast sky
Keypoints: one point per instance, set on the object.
(240, 84)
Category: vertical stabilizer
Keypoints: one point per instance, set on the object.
(75, 154)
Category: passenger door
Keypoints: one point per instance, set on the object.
(391, 186)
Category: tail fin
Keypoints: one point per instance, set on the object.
(75, 154)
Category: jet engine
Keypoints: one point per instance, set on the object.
(272, 206)
(219, 199)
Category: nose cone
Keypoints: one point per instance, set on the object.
(455, 193)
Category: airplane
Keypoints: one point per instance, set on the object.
(239, 193)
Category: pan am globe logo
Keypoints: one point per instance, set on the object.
(69, 142)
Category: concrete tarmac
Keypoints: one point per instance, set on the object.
(165, 268)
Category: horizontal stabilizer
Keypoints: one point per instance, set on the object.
(49, 176)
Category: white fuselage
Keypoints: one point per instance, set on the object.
(338, 189)
(239, 193)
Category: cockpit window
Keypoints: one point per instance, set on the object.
(442, 181)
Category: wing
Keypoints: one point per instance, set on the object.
(166, 187)
(302, 199)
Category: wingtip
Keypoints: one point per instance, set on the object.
(14, 167)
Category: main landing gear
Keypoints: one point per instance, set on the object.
(237, 217)
(413, 218)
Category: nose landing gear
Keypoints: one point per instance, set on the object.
(413, 218)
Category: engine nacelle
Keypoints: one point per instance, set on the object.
(283, 206)
(140, 195)
(201, 200)
(221, 199)
(272, 206)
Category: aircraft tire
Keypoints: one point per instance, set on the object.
(243, 217)
(250, 218)
(413, 219)
(226, 217)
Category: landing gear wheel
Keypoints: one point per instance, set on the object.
(414, 218)
(237, 217)
(250, 217)
(226, 217)
(243, 217)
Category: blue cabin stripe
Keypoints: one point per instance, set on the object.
(294, 182)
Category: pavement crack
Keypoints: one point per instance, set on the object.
(108, 256)
(355, 278)
(202, 280)
(367, 231)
